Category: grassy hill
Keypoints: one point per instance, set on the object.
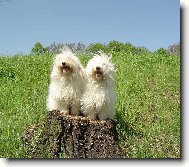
(147, 102)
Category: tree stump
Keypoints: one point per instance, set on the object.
(68, 136)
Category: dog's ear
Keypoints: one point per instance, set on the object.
(107, 56)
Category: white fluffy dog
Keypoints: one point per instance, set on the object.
(99, 97)
(67, 83)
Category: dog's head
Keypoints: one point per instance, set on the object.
(100, 67)
(66, 64)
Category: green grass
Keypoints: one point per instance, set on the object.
(147, 102)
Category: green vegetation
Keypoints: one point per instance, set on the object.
(112, 46)
(39, 49)
(147, 103)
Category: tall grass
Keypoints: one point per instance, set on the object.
(147, 102)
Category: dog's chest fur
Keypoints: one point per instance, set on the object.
(98, 96)
(66, 89)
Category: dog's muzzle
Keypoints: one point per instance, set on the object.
(98, 74)
(66, 68)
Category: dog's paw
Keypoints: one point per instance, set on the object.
(103, 116)
(92, 116)
(64, 112)
(75, 112)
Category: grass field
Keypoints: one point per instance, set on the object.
(147, 102)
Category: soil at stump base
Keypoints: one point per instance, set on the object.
(71, 136)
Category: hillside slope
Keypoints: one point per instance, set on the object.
(147, 102)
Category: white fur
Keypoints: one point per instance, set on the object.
(66, 88)
(99, 96)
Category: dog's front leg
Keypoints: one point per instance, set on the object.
(103, 115)
(64, 110)
(75, 109)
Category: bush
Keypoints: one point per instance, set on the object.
(174, 49)
(141, 50)
(39, 49)
(95, 47)
(115, 46)
(111, 47)
(161, 51)
(75, 47)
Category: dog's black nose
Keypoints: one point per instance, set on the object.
(97, 68)
(63, 63)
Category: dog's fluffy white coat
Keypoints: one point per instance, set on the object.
(66, 85)
(99, 96)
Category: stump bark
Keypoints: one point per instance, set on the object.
(71, 136)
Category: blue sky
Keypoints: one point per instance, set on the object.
(149, 23)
